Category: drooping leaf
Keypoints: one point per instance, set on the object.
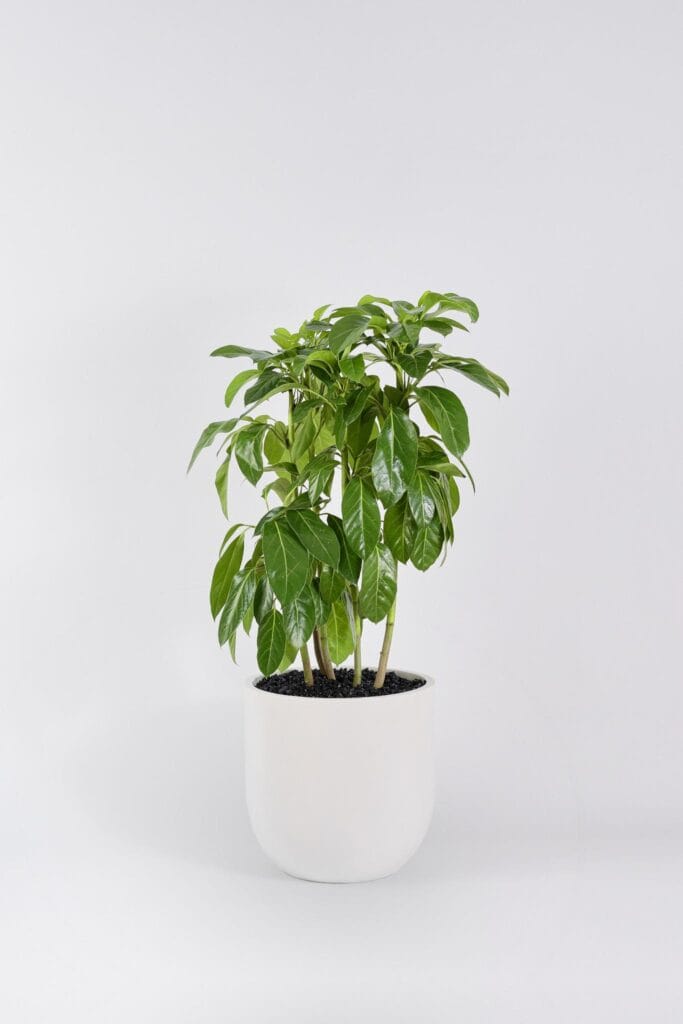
(267, 384)
(209, 435)
(299, 616)
(285, 559)
(304, 437)
(355, 404)
(318, 473)
(421, 499)
(427, 545)
(239, 599)
(226, 567)
(395, 458)
(378, 585)
(321, 608)
(449, 300)
(360, 517)
(222, 483)
(270, 642)
(445, 412)
(288, 657)
(263, 599)
(332, 584)
(316, 536)
(347, 331)
(238, 382)
(339, 633)
(359, 432)
(249, 451)
(399, 530)
(475, 371)
(256, 355)
(349, 561)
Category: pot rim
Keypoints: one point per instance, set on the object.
(250, 684)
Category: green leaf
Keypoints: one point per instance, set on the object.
(226, 567)
(321, 608)
(332, 584)
(449, 300)
(209, 435)
(286, 560)
(323, 364)
(339, 633)
(222, 484)
(349, 561)
(315, 536)
(474, 371)
(427, 545)
(288, 657)
(415, 363)
(347, 331)
(318, 473)
(304, 437)
(395, 458)
(240, 596)
(238, 382)
(263, 599)
(268, 383)
(445, 412)
(378, 586)
(355, 405)
(270, 642)
(421, 499)
(234, 351)
(353, 367)
(249, 451)
(360, 516)
(299, 617)
(360, 431)
(399, 530)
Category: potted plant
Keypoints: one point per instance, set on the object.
(359, 475)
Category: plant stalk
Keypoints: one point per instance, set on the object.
(327, 666)
(308, 671)
(358, 629)
(386, 647)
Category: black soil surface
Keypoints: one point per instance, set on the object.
(292, 684)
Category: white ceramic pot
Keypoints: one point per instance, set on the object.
(340, 789)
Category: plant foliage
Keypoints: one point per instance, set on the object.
(371, 430)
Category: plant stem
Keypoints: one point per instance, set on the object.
(358, 629)
(318, 649)
(308, 671)
(386, 647)
(328, 667)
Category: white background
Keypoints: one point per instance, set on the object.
(181, 175)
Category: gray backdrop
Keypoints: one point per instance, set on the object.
(177, 176)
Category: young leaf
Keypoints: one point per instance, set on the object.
(209, 435)
(445, 412)
(315, 536)
(378, 586)
(299, 616)
(240, 596)
(270, 642)
(360, 516)
(399, 530)
(427, 545)
(249, 451)
(339, 633)
(226, 567)
(395, 458)
(237, 382)
(286, 560)
(347, 331)
(353, 367)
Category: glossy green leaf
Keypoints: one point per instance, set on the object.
(353, 367)
(360, 516)
(267, 384)
(270, 642)
(209, 435)
(378, 584)
(304, 437)
(332, 584)
(321, 608)
(239, 599)
(339, 633)
(415, 363)
(395, 458)
(427, 545)
(263, 599)
(399, 530)
(347, 331)
(474, 371)
(318, 538)
(299, 616)
(238, 382)
(222, 484)
(249, 451)
(226, 567)
(285, 559)
(421, 499)
(349, 561)
(288, 658)
(445, 412)
(234, 351)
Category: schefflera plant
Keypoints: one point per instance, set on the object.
(311, 574)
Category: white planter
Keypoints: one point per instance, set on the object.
(340, 789)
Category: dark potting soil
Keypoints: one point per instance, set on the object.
(291, 684)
